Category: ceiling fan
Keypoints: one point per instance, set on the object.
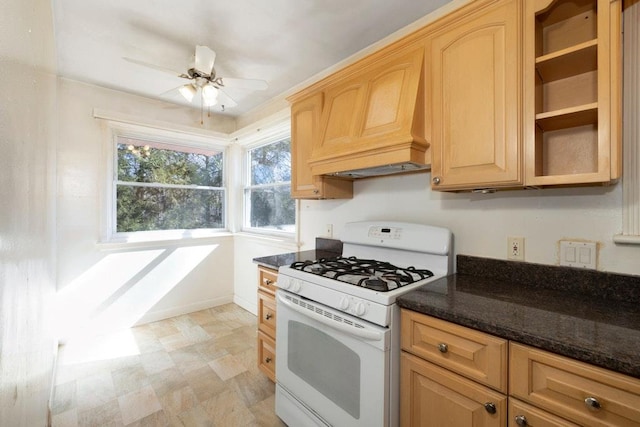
(204, 80)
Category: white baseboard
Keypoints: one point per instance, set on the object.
(250, 306)
(154, 316)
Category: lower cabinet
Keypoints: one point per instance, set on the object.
(434, 397)
(450, 376)
(267, 284)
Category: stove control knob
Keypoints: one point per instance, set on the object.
(360, 308)
(295, 286)
(344, 303)
(285, 283)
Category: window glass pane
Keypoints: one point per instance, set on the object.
(271, 163)
(151, 164)
(272, 208)
(149, 208)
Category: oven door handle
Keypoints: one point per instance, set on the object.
(350, 330)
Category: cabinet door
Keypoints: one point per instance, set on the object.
(305, 129)
(475, 67)
(431, 396)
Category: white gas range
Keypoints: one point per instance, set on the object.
(338, 330)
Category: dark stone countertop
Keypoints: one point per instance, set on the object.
(589, 316)
(325, 248)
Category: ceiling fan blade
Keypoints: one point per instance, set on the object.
(225, 101)
(252, 84)
(205, 58)
(157, 67)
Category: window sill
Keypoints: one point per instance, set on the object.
(169, 239)
(626, 239)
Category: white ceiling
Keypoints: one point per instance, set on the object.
(281, 41)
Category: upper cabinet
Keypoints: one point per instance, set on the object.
(573, 91)
(497, 94)
(474, 71)
(375, 116)
(305, 128)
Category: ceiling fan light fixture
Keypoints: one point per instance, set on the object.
(188, 91)
(209, 95)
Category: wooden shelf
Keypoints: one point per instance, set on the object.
(568, 117)
(571, 61)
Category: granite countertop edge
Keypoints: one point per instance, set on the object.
(585, 354)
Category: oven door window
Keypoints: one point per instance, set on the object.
(326, 364)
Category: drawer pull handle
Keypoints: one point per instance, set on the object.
(267, 360)
(521, 420)
(443, 347)
(436, 180)
(267, 282)
(490, 407)
(268, 316)
(592, 404)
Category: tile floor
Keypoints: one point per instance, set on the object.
(193, 370)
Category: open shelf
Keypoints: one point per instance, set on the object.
(577, 59)
(568, 117)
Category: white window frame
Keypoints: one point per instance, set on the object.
(631, 129)
(261, 138)
(161, 136)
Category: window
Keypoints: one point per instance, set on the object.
(268, 203)
(163, 186)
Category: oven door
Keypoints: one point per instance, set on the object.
(331, 368)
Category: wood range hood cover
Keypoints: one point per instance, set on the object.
(372, 120)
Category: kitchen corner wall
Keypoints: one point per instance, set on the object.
(107, 286)
(481, 222)
(27, 215)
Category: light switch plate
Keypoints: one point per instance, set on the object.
(578, 254)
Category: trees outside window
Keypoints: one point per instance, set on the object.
(161, 186)
(268, 202)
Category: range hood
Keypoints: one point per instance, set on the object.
(373, 119)
(382, 170)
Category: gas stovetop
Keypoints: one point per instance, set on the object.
(367, 273)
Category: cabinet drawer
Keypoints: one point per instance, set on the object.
(432, 396)
(565, 387)
(267, 355)
(268, 280)
(267, 313)
(471, 353)
(521, 414)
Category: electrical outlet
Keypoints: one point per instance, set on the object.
(328, 232)
(515, 248)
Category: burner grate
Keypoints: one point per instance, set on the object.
(371, 274)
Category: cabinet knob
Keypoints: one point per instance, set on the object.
(267, 282)
(490, 407)
(316, 191)
(521, 420)
(267, 360)
(592, 404)
(443, 347)
(268, 316)
(436, 180)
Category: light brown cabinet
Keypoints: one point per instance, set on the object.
(576, 391)
(267, 285)
(305, 130)
(572, 91)
(475, 79)
(374, 117)
(444, 366)
(445, 370)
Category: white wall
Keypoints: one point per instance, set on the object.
(120, 285)
(481, 223)
(27, 215)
